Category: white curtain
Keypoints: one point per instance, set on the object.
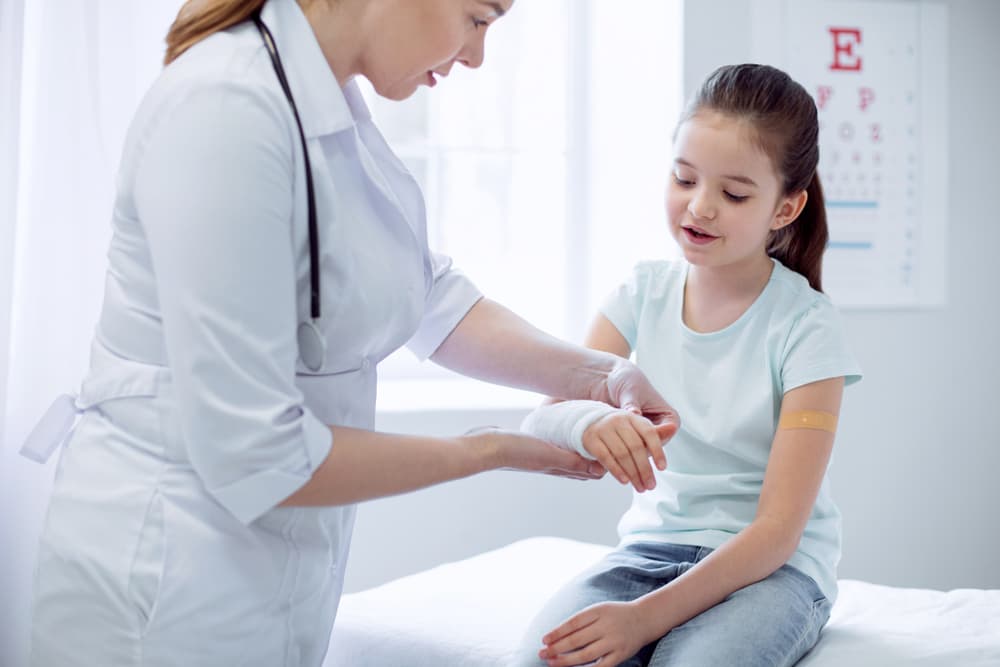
(71, 75)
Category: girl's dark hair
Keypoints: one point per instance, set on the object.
(198, 19)
(785, 126)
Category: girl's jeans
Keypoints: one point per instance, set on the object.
(772, 622)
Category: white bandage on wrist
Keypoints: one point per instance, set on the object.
(563, 423)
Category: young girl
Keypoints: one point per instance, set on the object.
(729, 555)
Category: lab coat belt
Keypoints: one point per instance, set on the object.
(60, 419)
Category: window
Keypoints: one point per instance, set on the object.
(544, 171)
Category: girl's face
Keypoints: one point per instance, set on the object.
(724, 196)
(420, 40)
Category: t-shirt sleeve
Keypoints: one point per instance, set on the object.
(621, 307)
(817, 349)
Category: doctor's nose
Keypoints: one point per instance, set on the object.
(474, 52)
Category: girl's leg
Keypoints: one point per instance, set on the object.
(622, 575)
(771, 623)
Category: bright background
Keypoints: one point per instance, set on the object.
(544, 174)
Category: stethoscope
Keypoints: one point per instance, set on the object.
(312, 344)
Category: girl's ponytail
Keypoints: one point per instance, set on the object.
(800, 245)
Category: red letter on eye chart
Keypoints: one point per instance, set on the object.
(844, 57)
(866, 96)
(823, 95)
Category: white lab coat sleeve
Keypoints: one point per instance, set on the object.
(213, 193)
(449, 299)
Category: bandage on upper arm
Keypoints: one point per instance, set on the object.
(812, 419)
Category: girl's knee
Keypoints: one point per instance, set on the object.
(773, 622)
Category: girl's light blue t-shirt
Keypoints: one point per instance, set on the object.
(727, 387)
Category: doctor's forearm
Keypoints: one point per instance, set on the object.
(363, 465)
(493, 344)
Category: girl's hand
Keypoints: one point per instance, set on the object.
(624, 441)
(610, 631)
(512, 450)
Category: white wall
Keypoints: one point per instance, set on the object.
(919, 446)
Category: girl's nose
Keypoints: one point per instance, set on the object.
(701, 206)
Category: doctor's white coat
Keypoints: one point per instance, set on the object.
(163, 544)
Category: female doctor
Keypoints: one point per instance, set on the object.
(268, 251)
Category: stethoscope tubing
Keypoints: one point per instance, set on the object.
(272, 50)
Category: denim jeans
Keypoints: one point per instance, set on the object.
(772, 622)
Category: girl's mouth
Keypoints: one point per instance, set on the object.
(697, 236)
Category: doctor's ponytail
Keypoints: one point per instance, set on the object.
(198, 19)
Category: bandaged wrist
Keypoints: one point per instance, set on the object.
(563, 423)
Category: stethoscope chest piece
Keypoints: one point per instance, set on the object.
(312, 345)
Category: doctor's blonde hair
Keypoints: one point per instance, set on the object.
(198, 19)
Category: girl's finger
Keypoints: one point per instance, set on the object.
(584, 656)
(623, 456)
(653, 444)
(578, 622)
(637, 450)
(607, 459)
(571, 643)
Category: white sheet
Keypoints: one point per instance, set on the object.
(472, 613)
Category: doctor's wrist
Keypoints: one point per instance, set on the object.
(589, 380)
(484, 449)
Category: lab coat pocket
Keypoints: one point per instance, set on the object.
(146, 572)
(345, 397)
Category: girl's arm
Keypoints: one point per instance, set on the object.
(605, 337)
(795, 470)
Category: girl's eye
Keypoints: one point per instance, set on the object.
(736, 198)
(682, 182)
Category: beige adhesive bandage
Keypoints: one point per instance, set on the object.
(821, 421)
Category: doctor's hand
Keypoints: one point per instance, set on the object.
(624, 442)
(512, 450)
(610, 631)
(627, 387)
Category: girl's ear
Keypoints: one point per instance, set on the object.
(789, 209)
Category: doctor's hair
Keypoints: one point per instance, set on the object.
(783, 120)
(197, 19)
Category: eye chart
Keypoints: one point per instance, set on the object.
(876, 70)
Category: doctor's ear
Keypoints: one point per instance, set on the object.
(789, 208)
